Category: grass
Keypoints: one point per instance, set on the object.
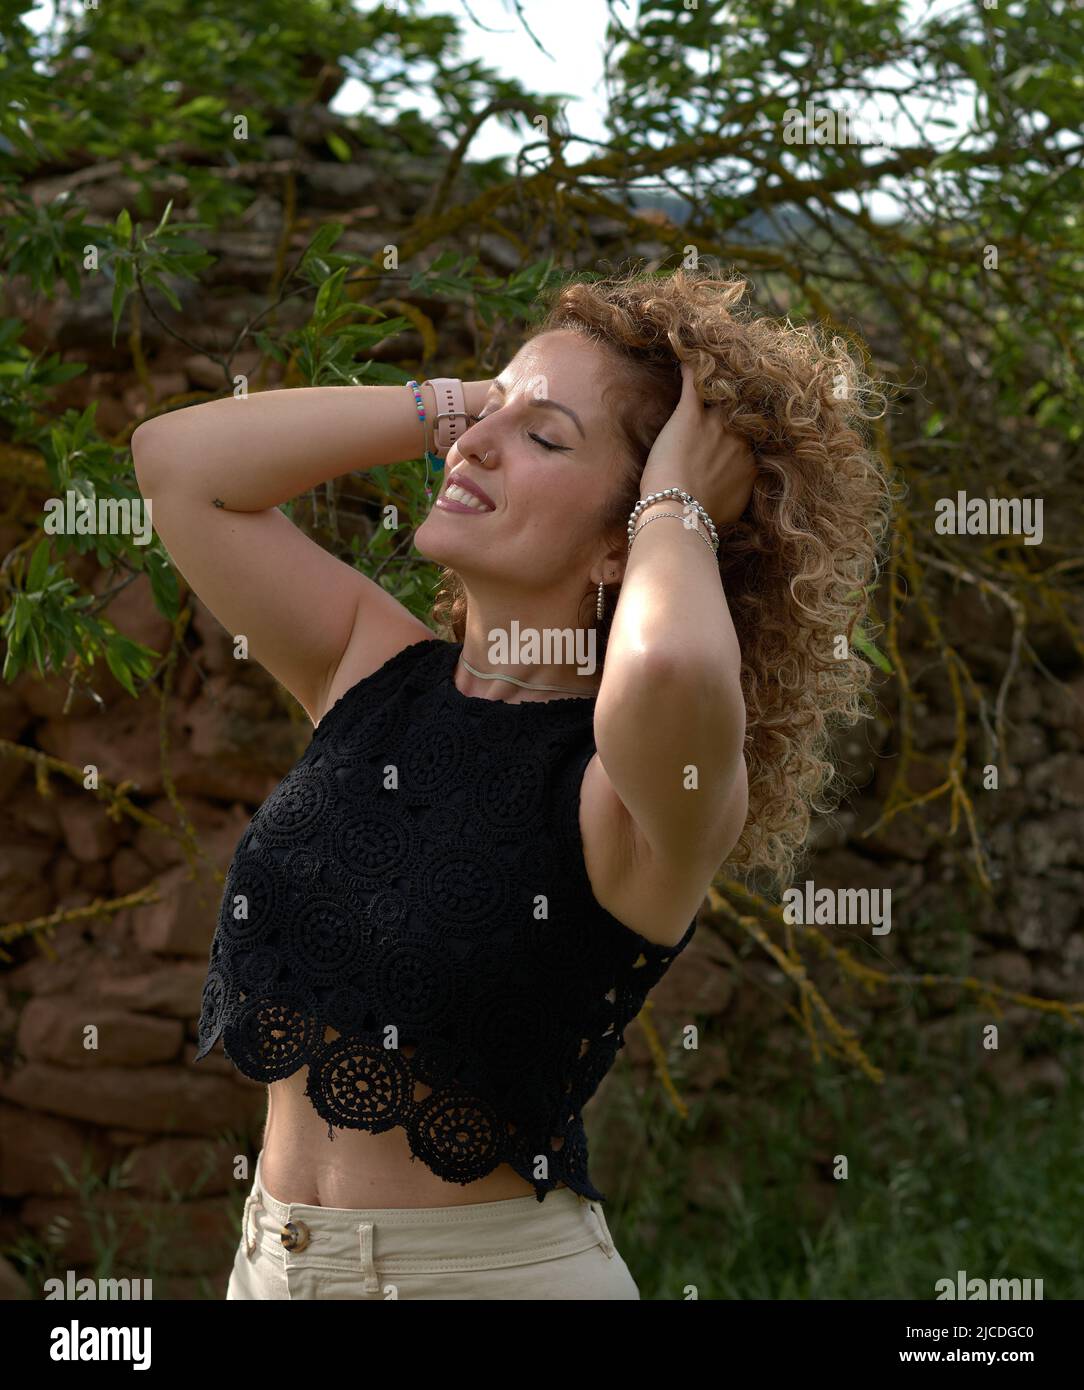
(122, 1244)
(944, 1173)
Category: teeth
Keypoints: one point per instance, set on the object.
(455, 493)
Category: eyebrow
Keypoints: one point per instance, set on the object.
(548, 405)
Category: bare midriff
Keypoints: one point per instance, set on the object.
(358, 1170)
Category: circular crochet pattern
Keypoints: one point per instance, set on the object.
(356, 1084)
(251, 899)
(303, 871)
(324, 941)
(344, 1006)
(274, 1034)
(219, 1000)
(258, 970)
(385, 911)
(438, 1061)
(417, 982)
(457, 1135)
(509, 792)
(294, 808)
(373, 845)
(429, 769)
(456, 885)
(357, 735)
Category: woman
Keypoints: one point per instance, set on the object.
(437, 928)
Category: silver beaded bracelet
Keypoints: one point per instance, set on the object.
(678, 517)
(687, 499)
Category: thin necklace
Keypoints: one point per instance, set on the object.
(514, 680)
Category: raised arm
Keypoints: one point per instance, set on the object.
(670, 715)
(215, 475)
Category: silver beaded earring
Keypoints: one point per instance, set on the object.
(598, 605)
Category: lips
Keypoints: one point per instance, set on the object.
(457, 479)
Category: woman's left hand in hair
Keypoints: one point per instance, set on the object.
(696, 452)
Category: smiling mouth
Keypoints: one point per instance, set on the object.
(454, 493)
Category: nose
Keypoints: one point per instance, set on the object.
(473, 452)
(470, 442)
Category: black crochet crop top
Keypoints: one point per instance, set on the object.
(409, 915)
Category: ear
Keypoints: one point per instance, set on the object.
(611, 567)
(615, 562)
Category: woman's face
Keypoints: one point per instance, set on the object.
(551, 466)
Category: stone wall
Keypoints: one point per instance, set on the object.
(148, 1139)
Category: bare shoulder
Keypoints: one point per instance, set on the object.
(657, 897)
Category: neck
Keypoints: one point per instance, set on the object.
(538, 653)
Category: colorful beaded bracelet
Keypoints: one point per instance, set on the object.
(432, 460)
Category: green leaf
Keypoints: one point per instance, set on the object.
(118, 305)
(39, 565)
(165, 218)
(21, 609)
(119, 669)
(164, 587)
(870, 651)
(34, 644)
(327, 295)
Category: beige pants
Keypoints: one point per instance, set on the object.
(519, 1248)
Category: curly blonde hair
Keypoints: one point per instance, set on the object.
(797, 568)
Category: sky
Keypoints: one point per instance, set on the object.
(500, 41)
(572, 32)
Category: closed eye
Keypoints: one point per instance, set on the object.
(563, 448)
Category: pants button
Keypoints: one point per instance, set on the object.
(294, 1235)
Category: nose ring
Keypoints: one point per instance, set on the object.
(294, 1235)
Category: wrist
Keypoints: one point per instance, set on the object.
(688, 509)
(656, 482)
(475, 394)
(429, 404)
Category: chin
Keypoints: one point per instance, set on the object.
(442, 542)
(432, 540)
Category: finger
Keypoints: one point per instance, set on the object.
(690, 396)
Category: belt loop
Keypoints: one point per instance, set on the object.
(248, 1225)
(368, 1268)
(605, 1240)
